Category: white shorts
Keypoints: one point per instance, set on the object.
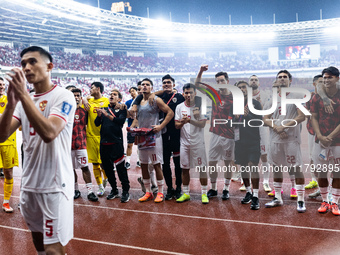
(79, 158)
(50, 214)
(153, 155)
(285, 154)
(311, 144)
(192, 157)
(221, 148)
(335, 150)
(264, 134)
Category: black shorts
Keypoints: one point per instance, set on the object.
(245, 153)
(130, 138)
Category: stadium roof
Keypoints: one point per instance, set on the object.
(74, 25)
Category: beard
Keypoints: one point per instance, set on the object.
(254, 87)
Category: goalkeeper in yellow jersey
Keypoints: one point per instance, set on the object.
(93, 133)
(8, 154)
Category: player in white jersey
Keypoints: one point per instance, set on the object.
(192, 150)
(285, 142)
(263, 98)
(46, 117)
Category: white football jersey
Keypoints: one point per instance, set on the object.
(48, 166)
(190, 135)
(291, 113)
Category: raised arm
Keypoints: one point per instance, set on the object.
(7, 123)
(203, 68)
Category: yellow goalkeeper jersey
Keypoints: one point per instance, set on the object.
(92, 130)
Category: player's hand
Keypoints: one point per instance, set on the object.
(12, 99)
(185, 120)
(133, 111)
(246, 110)
(156, 128)
(328, 105)
(279, 129)
(151, 99)
(203, 68)
(99, 112)
(196, 114)
(325, 141)
(17, 80)
(86, 104)
(120, 106)
(283, 135)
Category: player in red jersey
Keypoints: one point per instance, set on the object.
(222, 139)
(79, 153)
(311, 134)
(326, 152)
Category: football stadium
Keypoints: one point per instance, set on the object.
(154, 208)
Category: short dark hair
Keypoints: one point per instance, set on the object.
(331, 70)
(132, 88)
(168, 76)
(76, 90)
(316, 77)
(188, 86)
(286, 72)
(70, 86)
(222, 73)
(253, 75)
(147, 79)
(240, 82)
(139, 83)
(42, 52)
(2, 79)
(98, 85)
(119, 94)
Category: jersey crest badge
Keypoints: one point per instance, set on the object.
(66, 108)
(2, 104)
(117, 110)
(42, 105)
(76, 117)
(174, 100)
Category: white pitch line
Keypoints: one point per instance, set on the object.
(130, 246)
(107, 243)
(214, 219)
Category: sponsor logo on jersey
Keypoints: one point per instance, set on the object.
(42, 105)
(66, 108)
(221, 104)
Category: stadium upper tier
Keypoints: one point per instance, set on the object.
(120, 63)
(70, 24)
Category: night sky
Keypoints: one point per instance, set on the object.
(240, 10)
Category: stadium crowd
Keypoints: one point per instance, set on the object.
(119, 62)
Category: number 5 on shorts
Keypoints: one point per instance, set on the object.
(49, 227)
